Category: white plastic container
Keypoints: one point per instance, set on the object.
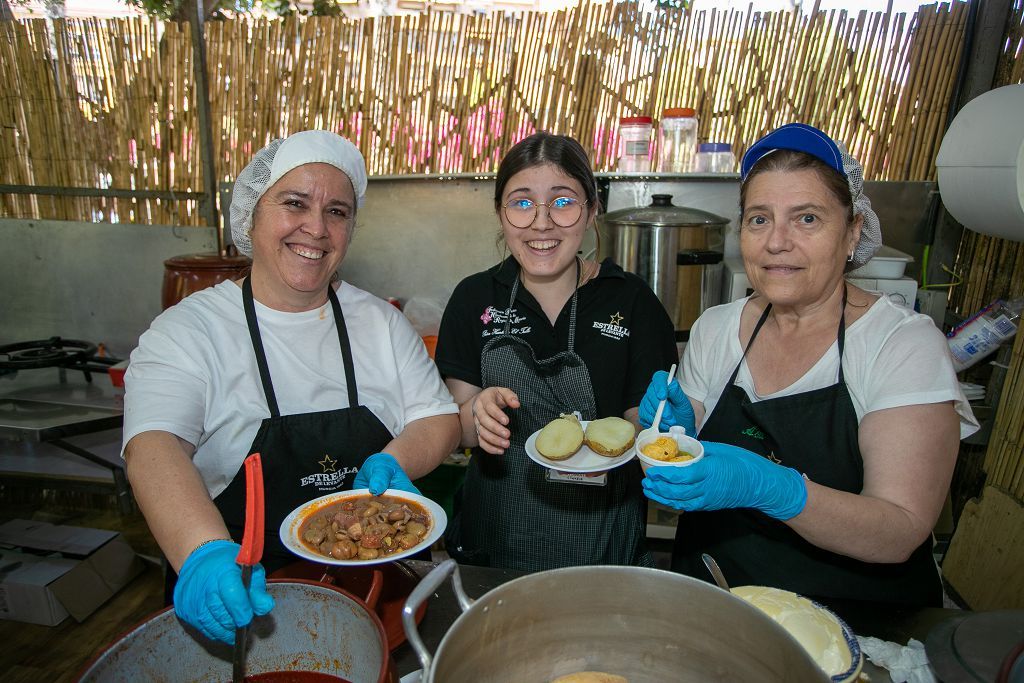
(982, 333)
(635, 144)
(687, 445)
(715, 157)
(887, 264)
(677, 141)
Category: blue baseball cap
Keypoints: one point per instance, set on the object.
(798, 137)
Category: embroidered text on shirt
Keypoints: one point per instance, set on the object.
(613, 330)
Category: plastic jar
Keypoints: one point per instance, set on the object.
(635, 144)
(715, 157)
(677, 141)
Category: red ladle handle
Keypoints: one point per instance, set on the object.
(251, 552)
(252, 539)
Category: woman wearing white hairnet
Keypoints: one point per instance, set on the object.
(331, 385)
(831, 415)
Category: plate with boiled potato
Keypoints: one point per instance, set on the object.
(569, 444)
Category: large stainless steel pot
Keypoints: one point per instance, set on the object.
(648, 625)
(313, 627)
(677, 250)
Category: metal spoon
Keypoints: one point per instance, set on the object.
(716, 572)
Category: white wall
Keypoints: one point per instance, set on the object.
(416, 236)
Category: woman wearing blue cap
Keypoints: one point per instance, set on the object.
(830, 415)
(331, 385)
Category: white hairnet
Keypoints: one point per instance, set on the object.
(281, 156)
(871, 230)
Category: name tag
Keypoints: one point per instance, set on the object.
(590, 479)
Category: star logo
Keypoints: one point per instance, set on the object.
(616, 318)
(328, 464)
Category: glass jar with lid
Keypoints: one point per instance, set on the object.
(635, 144)
(677, 140)
(715, 157)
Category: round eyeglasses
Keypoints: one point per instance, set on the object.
(562, 211)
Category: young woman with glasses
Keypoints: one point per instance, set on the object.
(547, 331)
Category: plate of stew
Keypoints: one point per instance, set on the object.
(357, 528)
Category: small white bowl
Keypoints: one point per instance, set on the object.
(687, 444)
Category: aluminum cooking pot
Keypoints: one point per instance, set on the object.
(654, 241)
(313, 627)
(648, 625)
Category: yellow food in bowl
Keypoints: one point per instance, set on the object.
(665, 449)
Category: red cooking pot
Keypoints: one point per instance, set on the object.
(383, 587)
(184, 275)
(315, 633)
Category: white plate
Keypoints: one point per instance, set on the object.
(585, 460)
(289, 531)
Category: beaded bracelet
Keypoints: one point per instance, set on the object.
(207, 542)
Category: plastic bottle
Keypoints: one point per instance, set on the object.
(635, 144)
(983, 332)
(715, 157)
(677, 140)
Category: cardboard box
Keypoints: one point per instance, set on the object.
(48, 572)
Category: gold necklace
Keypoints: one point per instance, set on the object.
(584, 275)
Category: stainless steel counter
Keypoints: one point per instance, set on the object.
(41, 409)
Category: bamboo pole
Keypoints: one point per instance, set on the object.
(451, 93)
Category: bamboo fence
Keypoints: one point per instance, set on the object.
(111, 103)
(994, 268)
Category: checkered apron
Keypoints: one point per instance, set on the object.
(511, 515)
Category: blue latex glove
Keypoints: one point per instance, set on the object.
(381, 472)
(729, 477)
(678, 410)
(210, 596)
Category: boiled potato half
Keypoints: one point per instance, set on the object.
(561, 438)
(610, 436)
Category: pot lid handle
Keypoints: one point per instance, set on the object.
(661, 200)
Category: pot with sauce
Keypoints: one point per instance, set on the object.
(646, 625)
(316, 633)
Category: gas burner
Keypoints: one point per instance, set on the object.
(54, 352)
(45, 353)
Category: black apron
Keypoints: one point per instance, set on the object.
(815, 433)
(306, 455)
(509, 514)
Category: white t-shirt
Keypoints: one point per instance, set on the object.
(194, 372)
(893, 357)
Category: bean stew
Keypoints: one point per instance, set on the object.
(365, 528)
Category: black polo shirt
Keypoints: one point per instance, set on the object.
(623, 333)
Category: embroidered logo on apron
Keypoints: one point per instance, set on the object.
(499, 317)
(331, 478)
(754, 432)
